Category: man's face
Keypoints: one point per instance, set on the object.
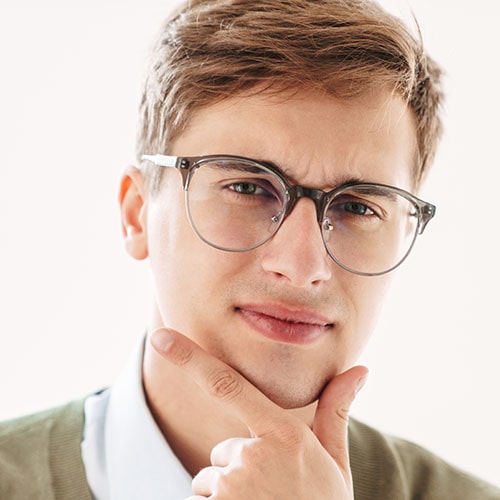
(284, 315)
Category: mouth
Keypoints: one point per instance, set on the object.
(285, 325)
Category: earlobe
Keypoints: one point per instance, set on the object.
(132, 199)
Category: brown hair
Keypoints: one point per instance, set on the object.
(210, 50)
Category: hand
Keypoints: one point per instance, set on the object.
(283, 458)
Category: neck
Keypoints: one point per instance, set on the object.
(189, 420)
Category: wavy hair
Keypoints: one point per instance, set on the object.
(210, 50)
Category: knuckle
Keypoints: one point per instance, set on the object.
(180, 354)
(253, 451)
(290, 437)
(225, 384)
(205, 476)
(204, 473)
(343, 413)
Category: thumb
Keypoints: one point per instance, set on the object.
(332, 413)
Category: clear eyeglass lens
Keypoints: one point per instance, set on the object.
(370, 229)
(236, 205)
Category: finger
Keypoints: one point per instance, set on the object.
(205, 481)
(332, 413)
(221, 382)
(228, 451)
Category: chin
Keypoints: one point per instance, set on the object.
(291, 394)
(283, 379)
(292, 402)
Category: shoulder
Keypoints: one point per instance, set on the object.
(40, 454)
(45, 428)
(386, 467)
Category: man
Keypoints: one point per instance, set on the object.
(280, 145)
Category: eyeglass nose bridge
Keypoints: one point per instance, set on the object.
(294, 193)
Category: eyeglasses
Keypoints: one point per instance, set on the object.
(237, 204)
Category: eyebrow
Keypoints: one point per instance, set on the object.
(234, 165)
(345, 180)
(374, 190)
(286, 173)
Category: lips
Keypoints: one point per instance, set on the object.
(282, 324)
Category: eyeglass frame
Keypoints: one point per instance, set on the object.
(186, 165)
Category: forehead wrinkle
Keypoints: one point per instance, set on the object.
(326, 182)
(305, 166)
(356, 148)
(298, 164)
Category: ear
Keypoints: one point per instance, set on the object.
(133, 206)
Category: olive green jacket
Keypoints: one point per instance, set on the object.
(40, 459)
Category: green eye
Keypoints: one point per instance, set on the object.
(244, 188)
(357, 208)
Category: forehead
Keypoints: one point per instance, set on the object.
(316, 139)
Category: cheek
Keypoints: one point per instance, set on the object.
(168, 228)
(191, 278)
(366, 297)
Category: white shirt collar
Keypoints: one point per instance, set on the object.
(125, 455)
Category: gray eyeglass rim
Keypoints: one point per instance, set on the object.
(425, 211)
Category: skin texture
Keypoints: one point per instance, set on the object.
(222, 371)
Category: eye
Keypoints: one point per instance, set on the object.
(247, 188)
(358, 208)
(355, 209)
(258, 188)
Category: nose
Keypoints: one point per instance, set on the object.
(296, 253)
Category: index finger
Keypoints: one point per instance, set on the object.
(228, 387)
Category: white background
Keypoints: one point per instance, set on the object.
(72, 304)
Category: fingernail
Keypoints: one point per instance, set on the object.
(361, 383)
(161, 339)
